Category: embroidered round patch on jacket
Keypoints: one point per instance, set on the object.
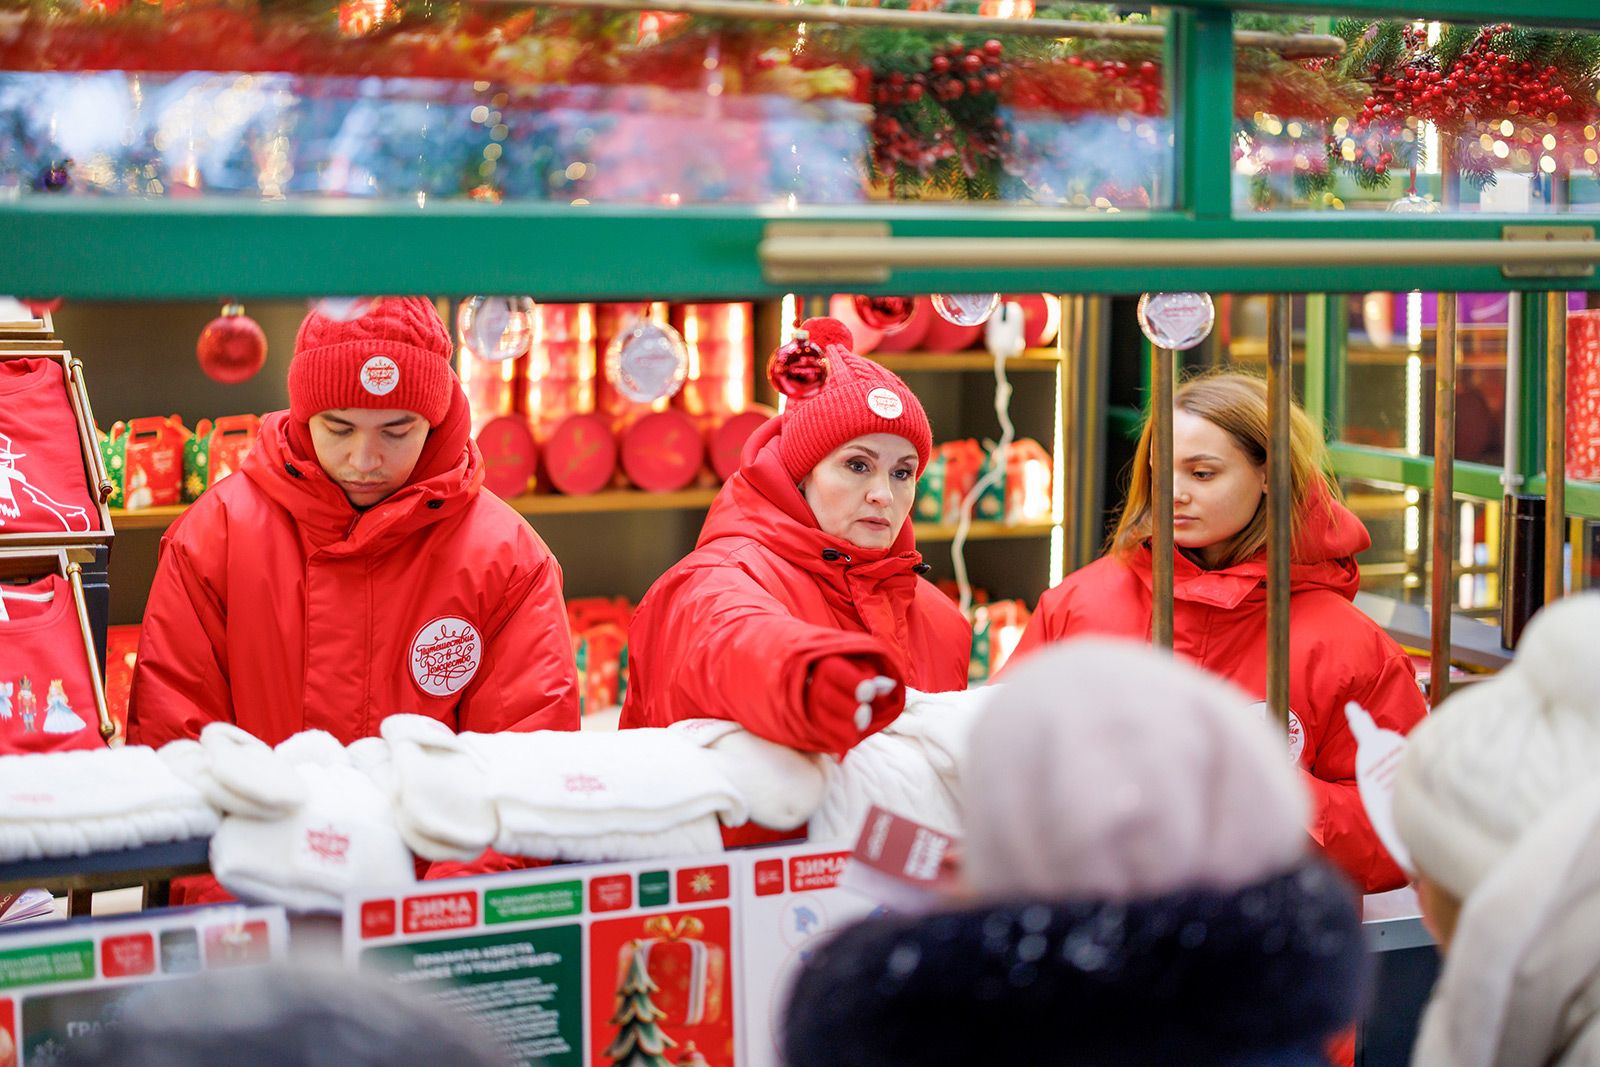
(884, 403)
(1297, 731)
(445, 655)
(380, 375)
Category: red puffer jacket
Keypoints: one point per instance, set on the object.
(278, 607)
(734, 629)
(1336, 653)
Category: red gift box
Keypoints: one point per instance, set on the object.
(122, 650)
(687, 971)
(581, 455)
(510, 456)
(718, 338)
(727, 442)
(560, 377)
(662, 452)
(1029, 472)
(1583, 395)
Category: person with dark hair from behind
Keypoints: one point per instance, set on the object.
(286, 1017)
(1139, 890)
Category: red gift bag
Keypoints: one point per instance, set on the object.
(1583, 395)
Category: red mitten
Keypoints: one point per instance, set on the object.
(849, 697)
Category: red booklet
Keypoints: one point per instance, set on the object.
(902, 864)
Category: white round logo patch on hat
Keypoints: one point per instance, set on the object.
(885, 404)
(380, 375)
(445, 655)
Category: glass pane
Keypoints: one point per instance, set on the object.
(374, 100)
(1397, 565)
(1425, 116)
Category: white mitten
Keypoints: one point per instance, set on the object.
(192, 763)
(314, 746)
(252, 778)
(443, 803)
(341, 840)
(781, 787)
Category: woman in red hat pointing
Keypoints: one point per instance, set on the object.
(802, 614)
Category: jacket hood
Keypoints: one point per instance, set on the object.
(447, 476)
(761, 502)
(1324, 557)
(1266, 973)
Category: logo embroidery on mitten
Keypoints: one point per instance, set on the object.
(329, 845)
(445, 655)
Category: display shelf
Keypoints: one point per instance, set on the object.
(159, 518)
(901, 362)
(929, 532)
(614, 500)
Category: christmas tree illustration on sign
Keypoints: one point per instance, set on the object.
(640, 1041)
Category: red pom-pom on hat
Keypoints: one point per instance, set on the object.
(825, 331)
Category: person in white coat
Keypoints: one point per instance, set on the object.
(1498, 801)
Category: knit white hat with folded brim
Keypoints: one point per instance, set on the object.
(1498, 754)
(1103, 770)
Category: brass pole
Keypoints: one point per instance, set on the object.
(1280, 503)
(821, 258)
(1555, 445)
(1072, 441)
(1442, 563)
(103, 485)
(107, 727)
(1096, 333)
(1161, 390)
(1293, 45)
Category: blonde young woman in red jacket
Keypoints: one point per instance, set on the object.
(801, 613)
(1337, 654)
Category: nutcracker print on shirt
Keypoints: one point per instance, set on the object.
(25, 505)
(445, 655)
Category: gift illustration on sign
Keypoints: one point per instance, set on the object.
(670, 996)
(16, 491)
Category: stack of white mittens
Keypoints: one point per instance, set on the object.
(98, 800)
(304, 823)
(312, 820)
(591, 796)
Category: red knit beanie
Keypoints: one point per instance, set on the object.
(395, 355)
(859, 397)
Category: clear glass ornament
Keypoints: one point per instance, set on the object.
(647, 361)
(343, 308)
(1176, 320)
(496, 328)
(1412, 204)
(965, 309)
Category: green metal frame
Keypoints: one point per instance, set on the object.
(213, 249)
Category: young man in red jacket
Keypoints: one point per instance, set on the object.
(355, 568)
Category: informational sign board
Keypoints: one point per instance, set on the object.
(574, 965)
(790, 899)
(62, 982)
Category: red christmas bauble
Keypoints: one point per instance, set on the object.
(799, 368)
(232, 347)
(886, 313)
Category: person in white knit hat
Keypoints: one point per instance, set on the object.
(1498, 802)
(1142, 892)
